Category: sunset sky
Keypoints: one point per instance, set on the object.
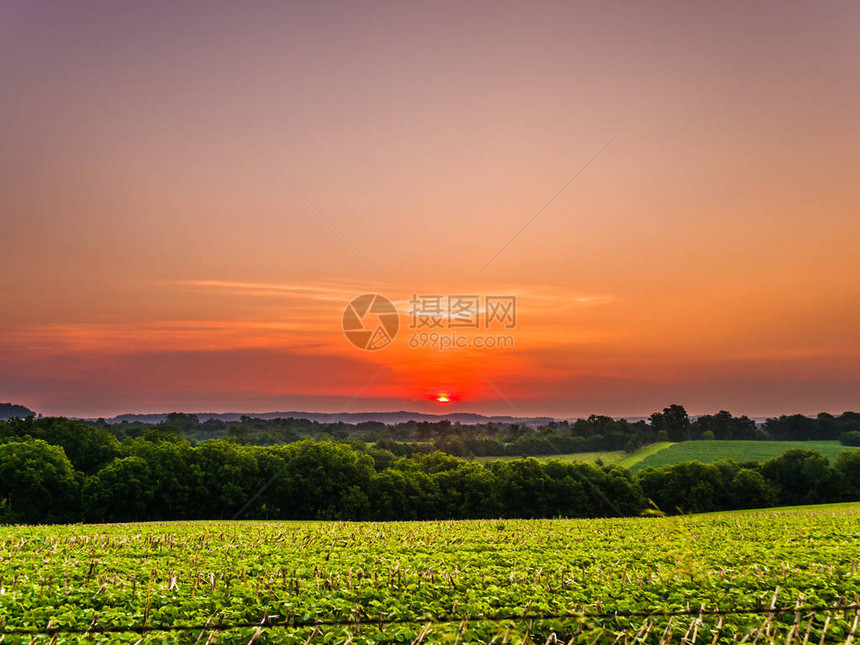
(191, 194)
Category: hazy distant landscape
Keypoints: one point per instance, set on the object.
(60, 470)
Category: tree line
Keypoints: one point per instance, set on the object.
(56, 470)
(592, 434)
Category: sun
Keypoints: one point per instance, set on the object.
(443, 398)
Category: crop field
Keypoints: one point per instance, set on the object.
(590, 581)
(643, 453)
(666, 453)
(606, 457)
(739, 451)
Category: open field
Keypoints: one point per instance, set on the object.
(808, 510)
(667, 452)
(573, 457)
(739, 451)
(392, 582)
(643, 453)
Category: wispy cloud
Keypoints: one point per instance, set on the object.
(306, 319)
(323, 292)
(160, 336)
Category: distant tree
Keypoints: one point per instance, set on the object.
(795, 427)
(723, 426)
(182, 420)
(674, 421)
(849, 421)
(850, 438)
(828, 427)
(164, 433)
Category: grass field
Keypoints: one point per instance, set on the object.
(631, 460)
(809, 510)
(666, 453)
(740, 451)
(581, 457)
(418, 582)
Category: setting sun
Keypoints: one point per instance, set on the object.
(443, 398)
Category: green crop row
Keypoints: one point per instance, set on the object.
(173, 574)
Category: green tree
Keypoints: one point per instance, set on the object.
(122, 491)
(37, 483)
(177, 479)
(850, 438)
(795, 427)
(318, 474)
(690, 487)
(228, 478)
(749, 489)
(803, 477)
(723, 426)
(674, 421)
(847, 465)
(88, 448)
(522, 486)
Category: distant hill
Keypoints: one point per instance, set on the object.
(13, 411)
(388, 418)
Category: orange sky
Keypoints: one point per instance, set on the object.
(154, 260)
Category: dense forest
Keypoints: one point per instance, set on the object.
(58, 470)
